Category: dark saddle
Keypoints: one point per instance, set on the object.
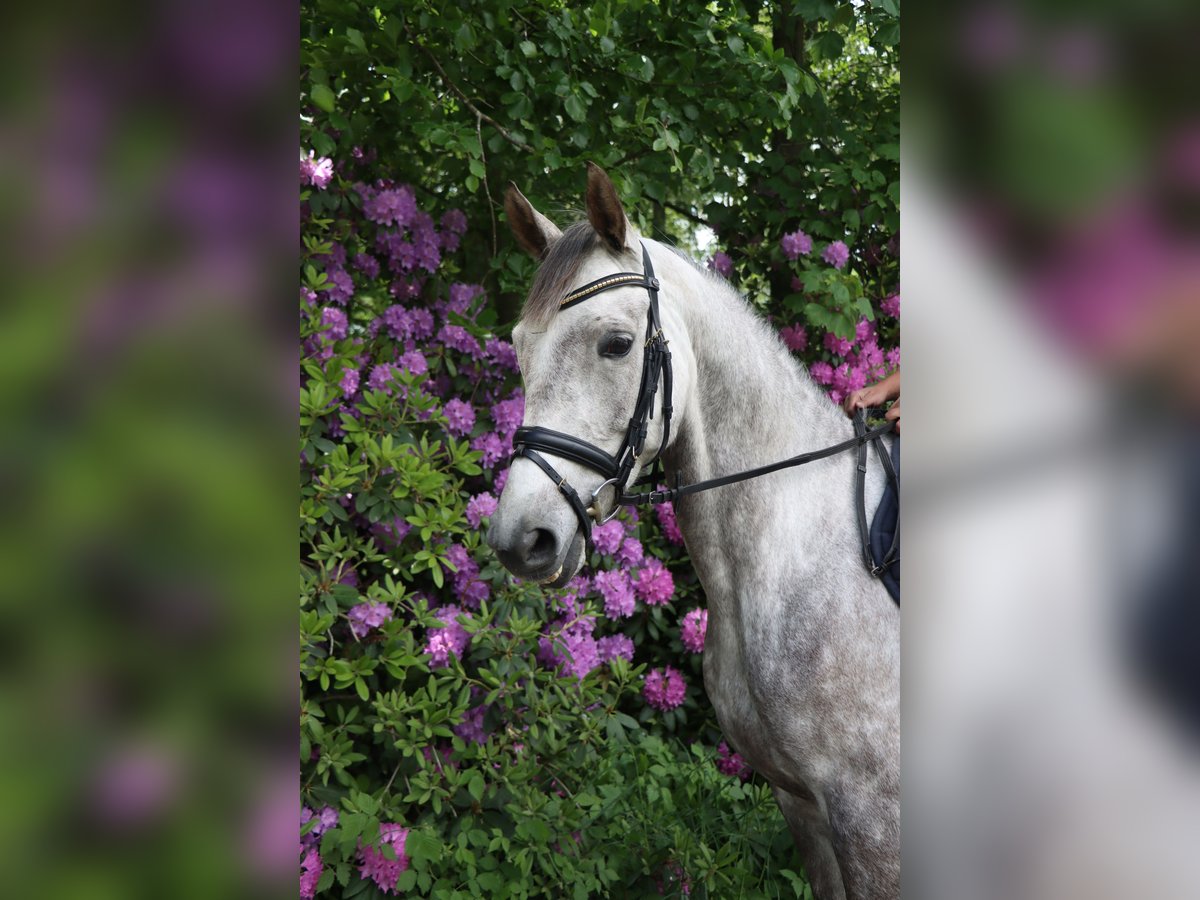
(881, 539)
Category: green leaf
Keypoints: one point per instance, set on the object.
(576, 108)
(529, 48)
(537, 830)
(464, 38)
(475, 786)
(406, 882)
(356, 38)
(323, 97)
(422, 846)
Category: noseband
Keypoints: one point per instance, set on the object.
(656, 367)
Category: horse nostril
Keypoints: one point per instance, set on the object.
(539, 548)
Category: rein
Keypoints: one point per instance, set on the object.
(531, 441)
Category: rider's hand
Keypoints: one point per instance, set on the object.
(875, 395)
(893, 415)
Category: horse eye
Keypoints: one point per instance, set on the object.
(616, 345)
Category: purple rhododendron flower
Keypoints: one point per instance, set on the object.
(455, 337)
(847, 379)
(414, 361)
(391, 533)
(665, 513)
(836, 345)
(864, 331)
(451, 638)
(654, 584)
(334, 323)
(821, 372)
(421, 324)
(579, 586)
(664, 688)
(615, 645)
(693, 630)
(460, 417)
(508, 414)
(461, 296)
(891, 306)
(366, 616)
(349, 382)
(464, 567)
(367, 264)
(475, 592)
(630, 553)
(455, 220)
(471, 728)
(316, 170)
(311, 868)
(617, 590)
(380, 378)
(608, 537)
(341, 285)
(467, 586)
(893, 358)
(796, 244)
(721, 263)
(582, 654)
(480, 507)
(391, 207)
(376, 867)
(501, 354)
(730, 763)
(499, 482)
(795, 337)
(836, 254)
(398, 322)
(494, 450)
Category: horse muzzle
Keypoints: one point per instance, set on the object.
(535, 551)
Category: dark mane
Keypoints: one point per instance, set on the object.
(557, 273)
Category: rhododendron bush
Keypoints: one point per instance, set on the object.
(462, 732)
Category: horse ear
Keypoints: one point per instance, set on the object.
(533, 231)
(604, 208)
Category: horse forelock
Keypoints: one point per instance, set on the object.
(558, 272)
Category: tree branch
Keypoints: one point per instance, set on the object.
(504, 132)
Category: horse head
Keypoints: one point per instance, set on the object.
(582, 364)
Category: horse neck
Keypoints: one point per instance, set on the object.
(750, 403)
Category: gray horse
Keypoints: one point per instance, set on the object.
(802, 657)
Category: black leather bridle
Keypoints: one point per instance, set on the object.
(531, 441)
(656, 369)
